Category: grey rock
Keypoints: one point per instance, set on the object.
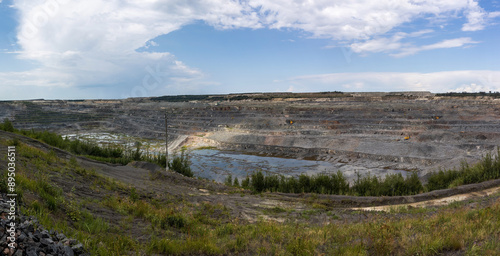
(19, 253)
(68, 251)
(45, 234)
(46, 241)
(52, 249)
(31, 252)
(78, 249)
(39, 241)
(21, 237)
(60, 236)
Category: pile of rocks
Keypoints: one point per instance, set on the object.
(31, 239)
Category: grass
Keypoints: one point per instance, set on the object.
(205, 147)
(176, 226)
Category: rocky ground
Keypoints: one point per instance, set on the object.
(31, 239)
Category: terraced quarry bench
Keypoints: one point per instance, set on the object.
(408, 131)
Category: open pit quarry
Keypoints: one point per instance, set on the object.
(364, 132)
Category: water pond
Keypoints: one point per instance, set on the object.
(217, 165)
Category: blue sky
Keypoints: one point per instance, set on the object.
(61, 49)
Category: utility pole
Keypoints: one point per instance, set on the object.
(166, 141)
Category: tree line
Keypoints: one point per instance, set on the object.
(370, 185)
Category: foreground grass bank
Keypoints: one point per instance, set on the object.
(68, 198)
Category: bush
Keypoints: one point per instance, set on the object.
(181, 165)
(258, 182)
(175, 221)
(7, 125)
(229, 180)
(487, 169)
(246, 183)
(413, 184)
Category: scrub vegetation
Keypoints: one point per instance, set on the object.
(391, 185)
(114, 218)
(110, 154)
(178, 226)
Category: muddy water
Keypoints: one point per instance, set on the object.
(217, 165)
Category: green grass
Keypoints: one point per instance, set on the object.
(205, 147)
(181, 227)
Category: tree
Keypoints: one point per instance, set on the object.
(246, 182)
(258, 182)
(229, 180)
(181, 165)
(7, 125)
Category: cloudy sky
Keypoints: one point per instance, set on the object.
(62, 49)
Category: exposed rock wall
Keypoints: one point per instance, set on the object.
(400, 130)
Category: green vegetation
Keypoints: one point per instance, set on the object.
(7, 125)
(110, 154)
(106, 220)
(487, 169)
(391, 185)
(469, 94)
(205, 147)
(335, 184)
(181, 165)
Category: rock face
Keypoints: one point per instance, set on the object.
(410, 130)
(32, 239)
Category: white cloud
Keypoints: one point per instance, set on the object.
(387, 44)
(94, 42)
(397, 48)
(81, 43)
(463, 80)
(362, 19)
(449, 43)
(476, 17)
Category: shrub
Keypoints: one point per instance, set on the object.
(181, 165)
(413, 184)
(7, 126)
(246, 183)
(487, 169)
(258, 182)
(229, 180)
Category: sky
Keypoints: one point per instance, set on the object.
(114, 49)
